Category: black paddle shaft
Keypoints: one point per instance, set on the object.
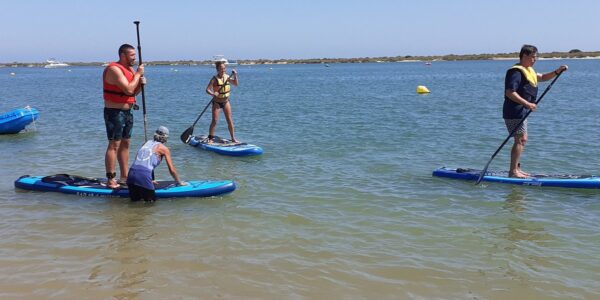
(139, 47)
(200, 115)
(515, 130)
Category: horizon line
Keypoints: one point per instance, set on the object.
(570, 54)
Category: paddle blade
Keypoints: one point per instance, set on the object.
(185, 136)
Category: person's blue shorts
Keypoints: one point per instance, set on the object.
(119, 123)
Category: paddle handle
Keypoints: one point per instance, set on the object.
(139, 47)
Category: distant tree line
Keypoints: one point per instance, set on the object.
(574, 53)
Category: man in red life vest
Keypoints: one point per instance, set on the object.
(121, 84)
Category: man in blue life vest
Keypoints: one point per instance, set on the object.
(520, 93)
(219, 87)
(121, 83)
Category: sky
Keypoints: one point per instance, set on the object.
(92, 31)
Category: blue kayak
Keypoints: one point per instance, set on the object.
(16, 120)
(224, 146)
(565, 181)
(96, 187)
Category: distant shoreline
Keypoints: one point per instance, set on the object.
(573, 54)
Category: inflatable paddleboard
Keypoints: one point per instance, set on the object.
(224, 146)
(565, 181)
(16, 120)
(96, 187)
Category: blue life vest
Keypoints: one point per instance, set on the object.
(526, 89)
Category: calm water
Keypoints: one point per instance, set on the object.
(341, 205)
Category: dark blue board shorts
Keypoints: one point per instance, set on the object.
(119, 123)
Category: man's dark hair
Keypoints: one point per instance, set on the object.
(124, 48)
(527, 50)
(218, 64)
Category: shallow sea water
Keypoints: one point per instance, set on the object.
(341, 205)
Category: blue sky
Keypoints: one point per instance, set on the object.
(34, 30)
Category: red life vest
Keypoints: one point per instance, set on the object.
(112, 92)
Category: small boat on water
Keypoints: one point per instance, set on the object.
(230, 62)
(53, 63)
(16, 120)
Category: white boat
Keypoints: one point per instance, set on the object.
(53, 63)
(222, 58)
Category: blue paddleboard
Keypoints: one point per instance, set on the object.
(564, 181)
(96, 187)
(224, 146)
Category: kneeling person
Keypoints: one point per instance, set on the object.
(140, 179)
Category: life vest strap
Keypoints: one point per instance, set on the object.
(118, 93)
